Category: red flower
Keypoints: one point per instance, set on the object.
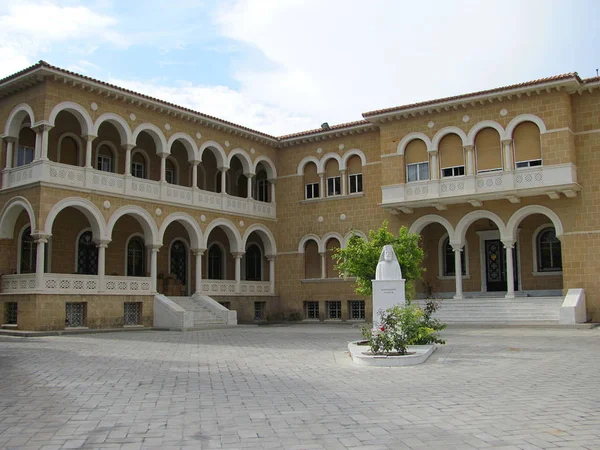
(382, 328)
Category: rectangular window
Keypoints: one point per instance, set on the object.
(418, 171)
(10, 313)
(137, 170)
(499, 169)
(312, 191)
(170, 176)
(532, 163)
(260, 310)
(262, 190)
(334, 186)
(24, 155)
(75, 315)
(356, 184)
(357, 309)
(311, 310)
(455, 171)
(104, 163)
(132, 313)
(334, 310)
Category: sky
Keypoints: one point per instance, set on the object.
(283, 66)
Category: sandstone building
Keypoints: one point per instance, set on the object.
(109, 196)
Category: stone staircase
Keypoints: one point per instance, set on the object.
(204, 311)
(500, 310)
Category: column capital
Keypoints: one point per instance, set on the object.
(508, 243)
(457, 247)
(42, 126)
(250, 175)
(468, 147)
(154, 247)
(198, 251)
(321, 174)
(272, 180)
(343, 171)
(9, 139)
(223, 169)
(506, 141)
(128, 146)
(163, 154)
(39, 236)
(237, 255)
(432, 151)
(271, 257)
(194, 162)
(102, 243)
(89, 137)
(322, 253)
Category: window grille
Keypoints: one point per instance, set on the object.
(549, 251)
(10, 313)
(334, 310)
(357, 309)
(259, 310)
(75, 315)
(311, 310)
(132, 313)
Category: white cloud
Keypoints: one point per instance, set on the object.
(27, 29)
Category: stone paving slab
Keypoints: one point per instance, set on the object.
(294, 387)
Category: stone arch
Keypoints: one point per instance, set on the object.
(87, 208)
(244, 159)
(305, 161)
(510, 128)
(268, 165)
(15, 119)
(80, 113)
(332, 235)
(435, 143)
(266, 236)
(188, 143)
(190, 225)
(480, 126)
(11, 212)
(428, 219)
(349, 154)
(327, 157)
(234, 236)
(119, 123)
(310, 237)
(520, 214)
(156, 134)
(144, 219)
(352, 233)
(468, 219)
(219, 153)
(411, 137)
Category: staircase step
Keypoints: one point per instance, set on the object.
(202, 314)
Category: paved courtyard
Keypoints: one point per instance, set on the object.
(294, 387)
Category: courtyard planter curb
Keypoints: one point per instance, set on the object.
(361, 355)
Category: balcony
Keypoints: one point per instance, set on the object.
(228, 287)
(66, 176)
(509, 185)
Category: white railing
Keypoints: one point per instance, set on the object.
(521, 182)
(59, 283)
(228, 287)
(65, 175)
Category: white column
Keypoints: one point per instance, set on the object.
(163, 167)
(510, 268)
(101, 264)
(272, 181)
(89, 138)
(198, 252)
(343, 177)
(128, 149)
(458, 270)
(38, 145)
(39, 261)
(434, 166)
(238, 270)
(250, 177)
(271, 259)
(153, 265)
(321, 185)
(507, 150)
(41, 141)
(195, 174)
(470, 161)
(323, 264)
(223, 179)
(10, 146)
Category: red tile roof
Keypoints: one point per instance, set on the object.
(322, 130)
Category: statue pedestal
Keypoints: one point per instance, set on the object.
(387, 293)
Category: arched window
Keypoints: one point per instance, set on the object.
(311, 181)
(417, 161)
(87, 254)
(332, 246)
(253, 263)
(549, 251)
(25, 147)
(448, 266)
(136, 257)
(178, 261)
(312, 260)
(104, 159)
(452, 161)
(138, 165)
(28, 252)
(170, 172)
(215, 263)
(488, 151)
(68, 151)
(261, 187)
(334, 179)
(528, 147)
(355, 176)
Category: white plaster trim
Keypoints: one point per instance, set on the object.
(411, 137)
(510, 128)
(80, 149)
(18, 113)
(234, 236)
(160, 142)
(332, 197)
(325, 158)
(558, 130)
(187, 258)
(350, 153)
(480, 126)
(11, 212)
(268, 165)
(216, 150)
(188, 143)
(332, 235)
(422, 222)
(244, 158)
(465, 255)
(119, 123)
(520, 214)
(144, 219)
(468, 219)
(373, 163)
(89, 210)
(352, 233)
(310, 237)
(269, 244)
(597, 130)
(189, 223)
(80, 113)
(446, 131)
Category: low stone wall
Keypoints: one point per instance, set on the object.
(245, 307)
(39, 312)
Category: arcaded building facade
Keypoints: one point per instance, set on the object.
(109, 197)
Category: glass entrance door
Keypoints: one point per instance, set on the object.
(495, 266)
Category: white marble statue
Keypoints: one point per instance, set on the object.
(388, 267)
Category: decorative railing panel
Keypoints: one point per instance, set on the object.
(18, 283)
(218, 287)
(95, 180)
(255, 288)
(128, 285)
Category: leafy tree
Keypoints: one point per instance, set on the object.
(360, 257)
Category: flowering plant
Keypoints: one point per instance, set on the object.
(399, 327)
